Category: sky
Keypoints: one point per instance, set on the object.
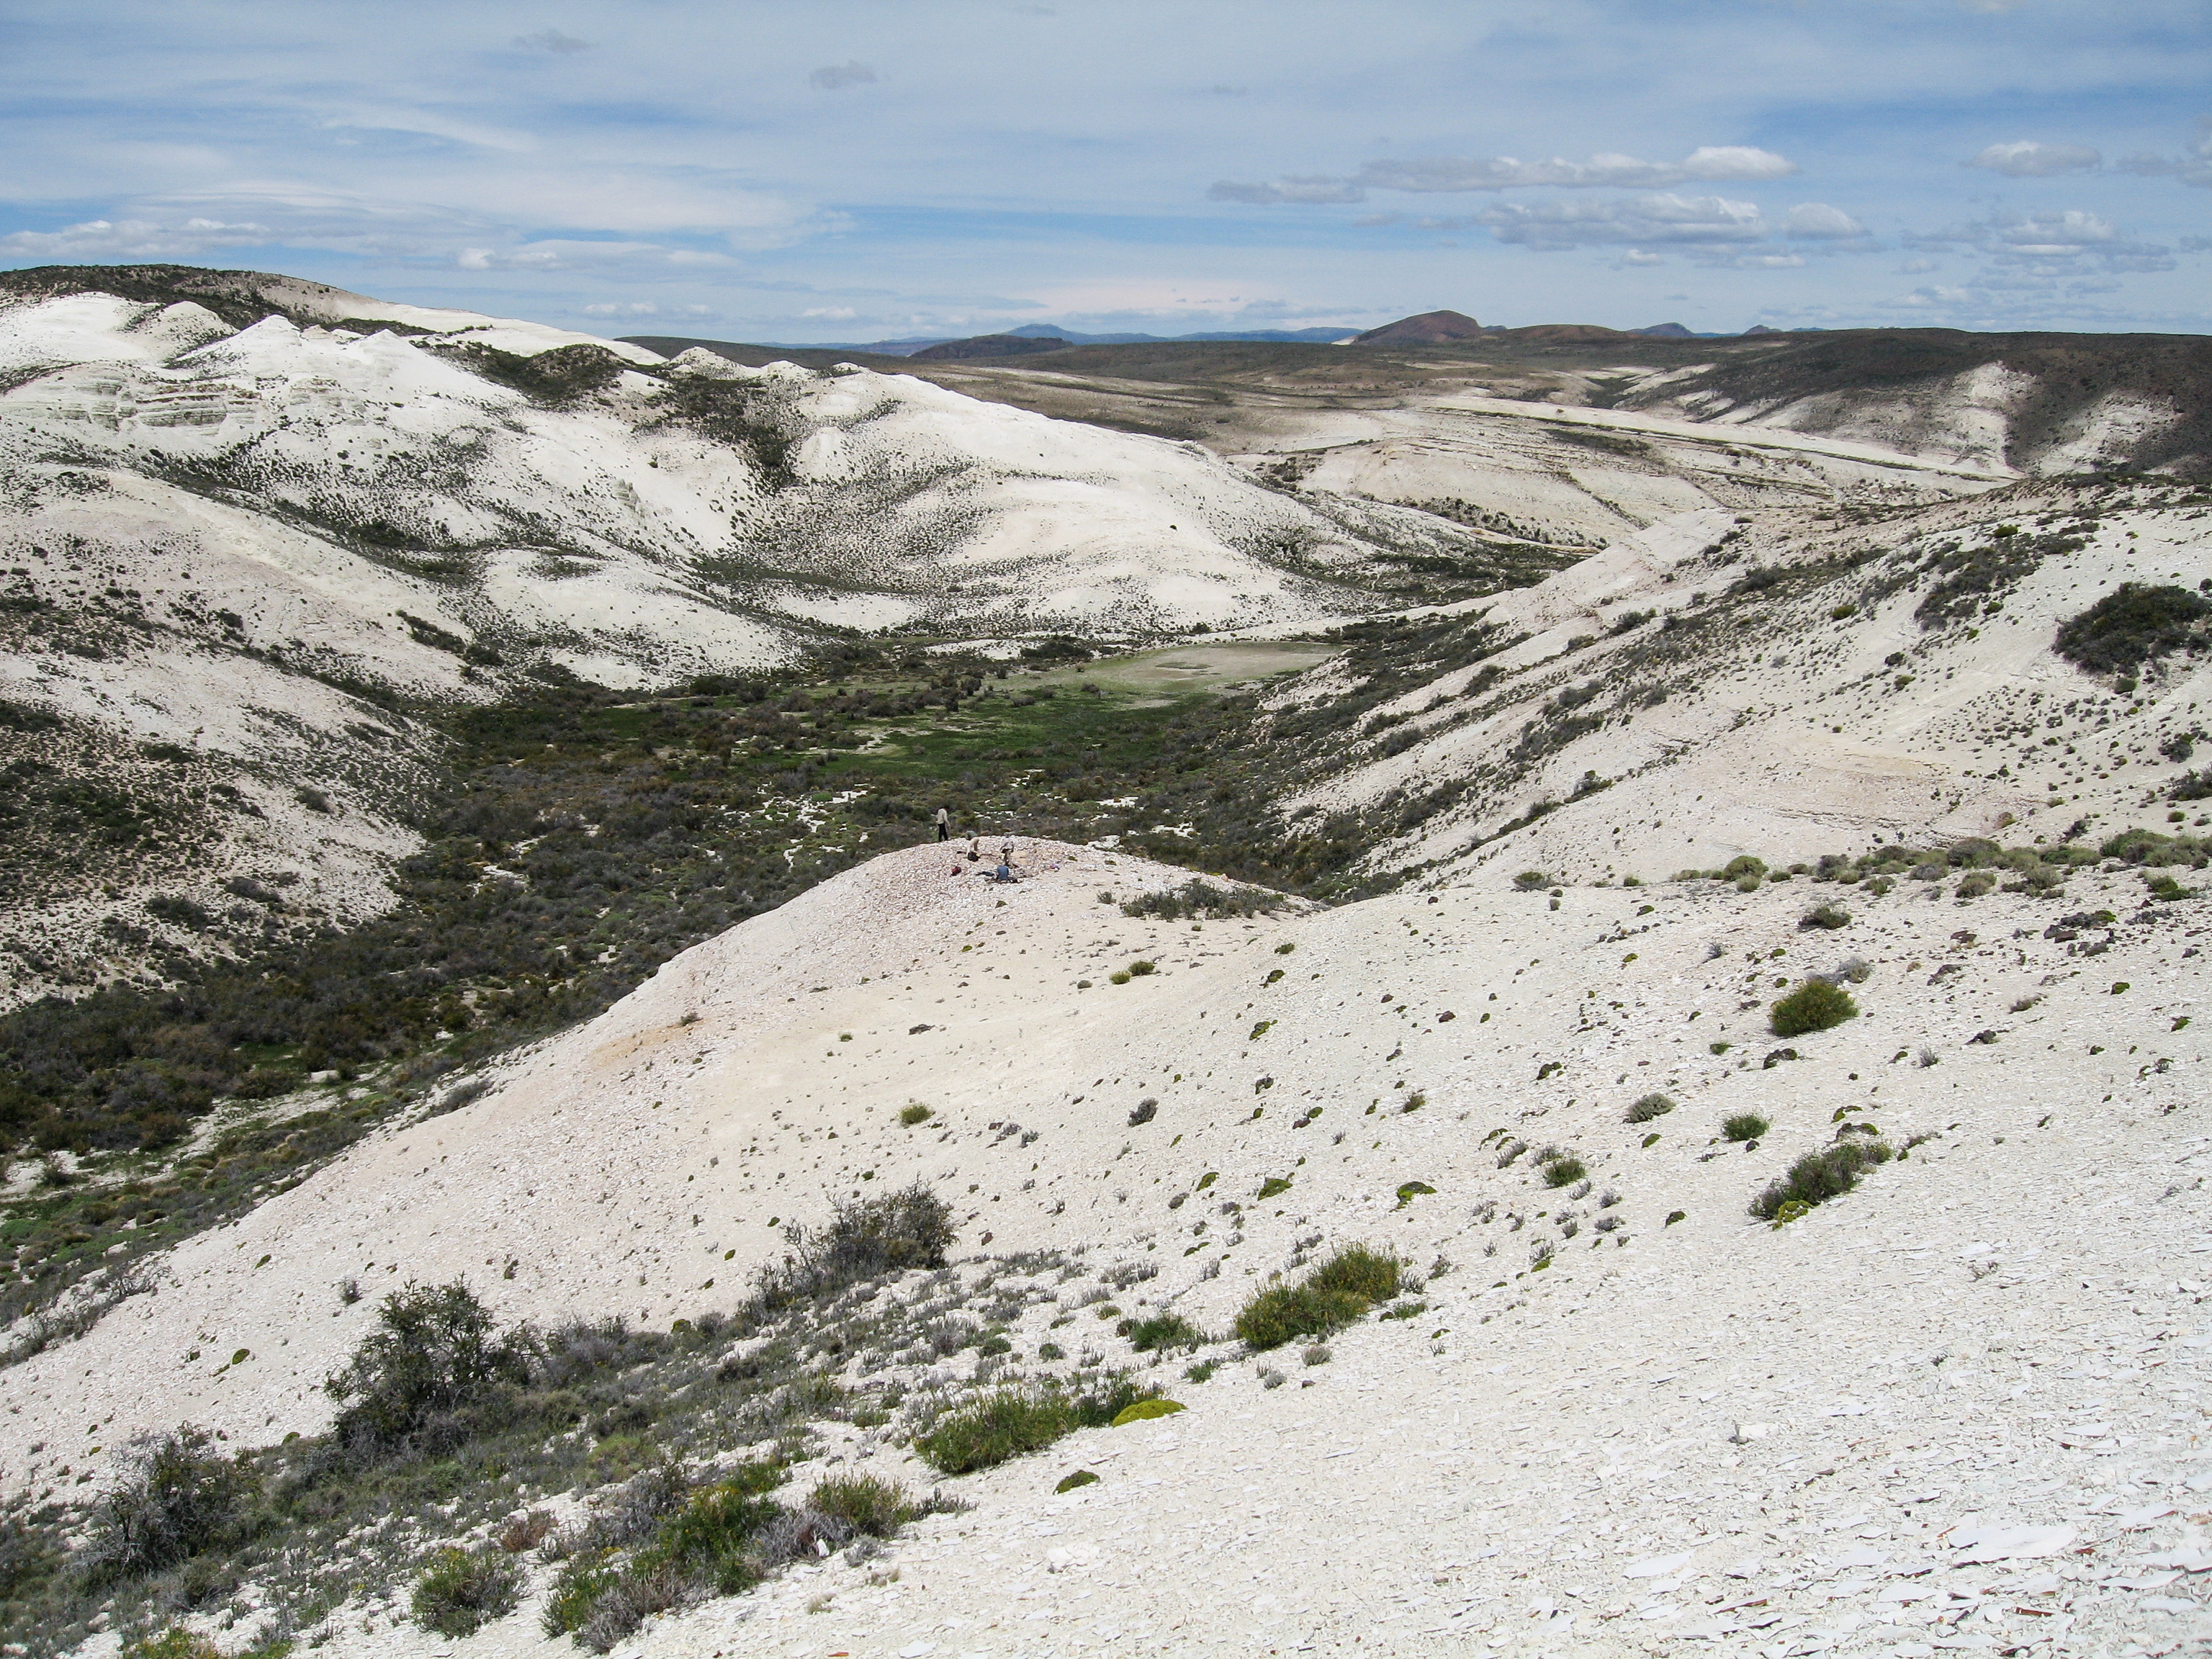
(850, 172)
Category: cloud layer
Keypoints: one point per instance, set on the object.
(795, 173)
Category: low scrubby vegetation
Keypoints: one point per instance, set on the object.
(1815, 1004)
(1331, 1296)
(1013, 1422)
(2134, 625)
(454, 1432)
(1818, 1176)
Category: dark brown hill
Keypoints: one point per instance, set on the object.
(989, 345)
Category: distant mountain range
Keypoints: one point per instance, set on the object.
(1048, 331)
(1427, 328)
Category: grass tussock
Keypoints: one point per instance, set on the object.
(1813, 1005)
(1013, 1422)
(1331, 1296)
(1818, 1176)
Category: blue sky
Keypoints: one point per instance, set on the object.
(863, 171)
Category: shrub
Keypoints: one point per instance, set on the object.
(992, 1429)
(1828, 917)
(1202, 898)
(1080, 1478)
(865, 1503)
(585, 1577)
(1818, 1177)
(1744, 1126)
(174, 1643)
(1650, 1106)
(434, 1354)
(709, 1539)
(1163, 1332)
(863, 1238)
(1563, 1171)
(1974, 885)
(1813, 1005)
(177, 1496)
(2132, 625)
(917, 1113)
(1330, 1297)
(1529, 880)
(1283, 1312)
(462, 1590)
(1138, 970)
(1360, 1271)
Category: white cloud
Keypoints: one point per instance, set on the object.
(1636, 256)
(832, 76)
(644, 309)
(1919, 267)
(1816, 221)
(2192, 166)
(568, 255)
(552, 41)
(834, 314)
(132, 239)
(1695, 220)
(2028, 159)
(1302, 189)
(1752, 261)
(1709, 163)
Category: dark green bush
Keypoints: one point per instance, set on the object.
(1650, 1106)
(1563, 1171)
(1744, 1126)
(435, 1355)
(1813, 1005)
(585, 1577)
(1197, 897)
(1828, 917)
(1818, 1176)
(178, 1496)
(2132, 625)
(462, 1590)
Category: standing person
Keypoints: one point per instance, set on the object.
(943, 824)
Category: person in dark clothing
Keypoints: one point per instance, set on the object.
(943, 824)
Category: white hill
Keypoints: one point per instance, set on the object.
(1952, 1403)
(218, 539)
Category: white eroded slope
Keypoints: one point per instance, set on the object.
(204, 529)
(1815, 715)
(1686, 1425)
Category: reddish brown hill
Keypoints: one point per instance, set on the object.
(1429, 328)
